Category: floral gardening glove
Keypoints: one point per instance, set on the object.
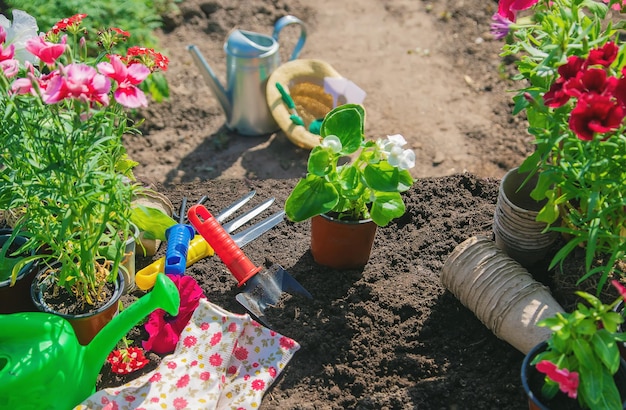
(222, 360)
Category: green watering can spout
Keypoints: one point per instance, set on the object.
(42, 364)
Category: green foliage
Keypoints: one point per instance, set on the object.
(583, 182)
(139, 17)
(585, 341)
(63, 161)
(368, 187)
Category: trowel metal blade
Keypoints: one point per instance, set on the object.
(265, 288)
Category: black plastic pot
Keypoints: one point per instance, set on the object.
(532, 380)
(621, 309)
(16, 298)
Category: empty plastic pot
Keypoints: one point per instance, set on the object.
(515, 227)
(500, 292)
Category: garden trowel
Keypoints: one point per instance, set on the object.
(262, 287)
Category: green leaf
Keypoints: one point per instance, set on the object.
(153, 222)
(347, 122)
(606, 349)
(310, 197)
(386, 206)
(320, 161)
(384, 177)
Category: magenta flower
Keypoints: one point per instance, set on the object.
(567, 381)
(164, 330)
(78, 81)
(46, 51)
(620, 288)
(509, 8)
(127, 78)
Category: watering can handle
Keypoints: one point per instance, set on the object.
(285, 21)
(225, 247)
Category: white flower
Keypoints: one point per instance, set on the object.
(23, 28)
(396, 156)
(332, 142)
(401, 158)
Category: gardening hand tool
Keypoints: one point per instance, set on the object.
(42, 364)
(294, 117)
(178, 238)
(263, 287)
(198, 247)
(250, 59)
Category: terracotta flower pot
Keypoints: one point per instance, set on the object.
(16, 298)
(341, 244)
(514, 224)
(532, 381)
(86, 325)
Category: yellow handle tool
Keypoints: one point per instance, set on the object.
(198, 249)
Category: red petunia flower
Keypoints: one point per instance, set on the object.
(604, 55)
(164, 330)
(125, 361)
(595, 114)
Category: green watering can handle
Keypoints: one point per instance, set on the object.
(42, 364)
(164, 295)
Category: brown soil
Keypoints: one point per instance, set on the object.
(389, 336)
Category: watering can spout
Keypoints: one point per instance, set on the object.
(211, 79)
(164, 295)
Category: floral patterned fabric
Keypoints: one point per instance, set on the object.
(222, 361)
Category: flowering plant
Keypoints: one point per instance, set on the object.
(574, 96)
(368, 187)
(582, 353)
(62, 160)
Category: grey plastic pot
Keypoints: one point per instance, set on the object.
(500, 292)
(515, 227)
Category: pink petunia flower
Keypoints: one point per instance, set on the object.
(509, 8)
(164, 330)
(620, 288)
(617, 6)
(127, 78)
(78, 81)
(567, 381)
(46, 51)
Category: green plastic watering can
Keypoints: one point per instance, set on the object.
(42, 364)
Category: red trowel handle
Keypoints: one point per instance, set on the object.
(235, 260)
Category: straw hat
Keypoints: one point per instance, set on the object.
(304, 80)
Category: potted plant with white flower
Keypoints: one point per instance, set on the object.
(360, 194)
(62, 160)
(572, 67)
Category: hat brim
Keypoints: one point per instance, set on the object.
(303, 79)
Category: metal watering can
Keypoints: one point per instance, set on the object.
(42, 364)
(250, 59)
